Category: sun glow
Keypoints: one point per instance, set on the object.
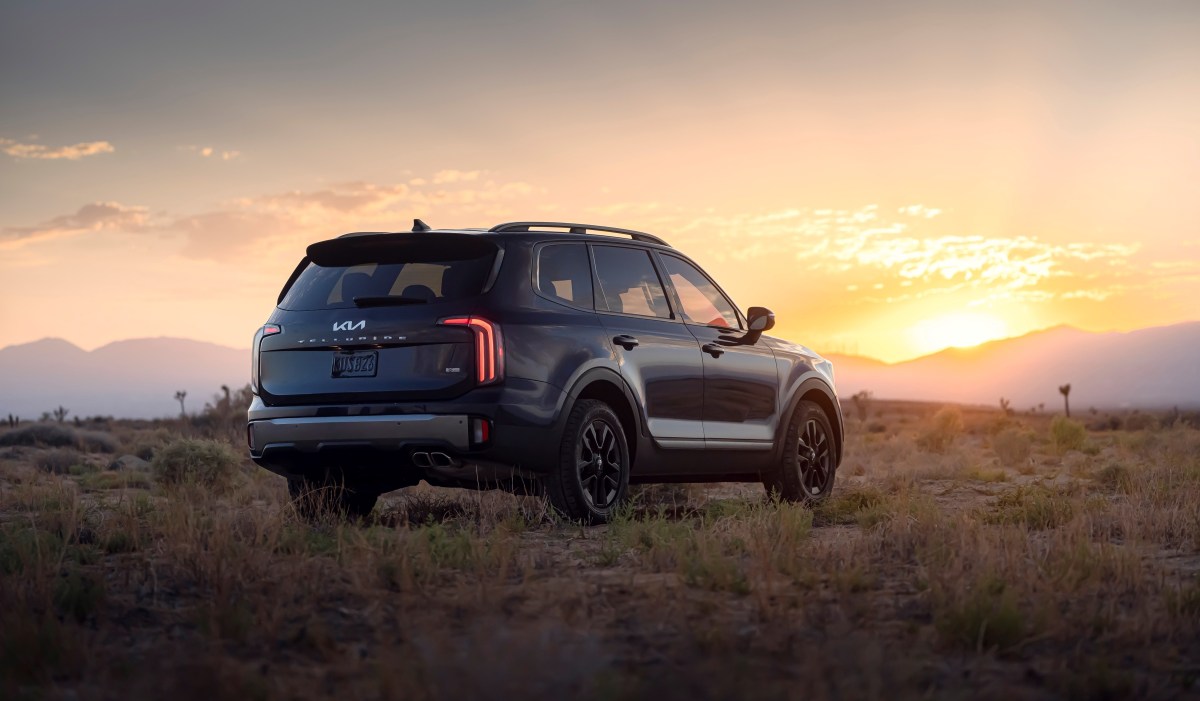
(960, 330)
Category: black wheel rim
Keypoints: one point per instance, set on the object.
(813, 458)
(598, 463)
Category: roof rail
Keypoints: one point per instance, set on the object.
(526, 226)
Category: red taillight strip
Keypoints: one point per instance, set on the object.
(271, 329)
(489, 349)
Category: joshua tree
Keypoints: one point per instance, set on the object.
(60, 414)
(1006, 406)
(13, 421)
(1066, 393)
(862, 404)
(179, 397)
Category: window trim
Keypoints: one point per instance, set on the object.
(535, 269)
(743, 325)
(598, 290)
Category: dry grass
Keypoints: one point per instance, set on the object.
(986, 561)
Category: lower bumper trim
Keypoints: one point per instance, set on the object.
(314, 433)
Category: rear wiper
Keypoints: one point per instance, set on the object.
(387, 301)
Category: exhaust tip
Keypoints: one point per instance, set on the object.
(442, 460)
(421, 459)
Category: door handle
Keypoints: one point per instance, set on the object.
(626, 341)
(713, 349)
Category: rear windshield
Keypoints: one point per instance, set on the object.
(426, 282)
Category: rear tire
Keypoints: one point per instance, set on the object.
(591, 477)
(806, 472)
(317, 499)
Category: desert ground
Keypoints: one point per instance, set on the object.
(967, 552)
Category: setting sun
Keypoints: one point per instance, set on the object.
(957, 330)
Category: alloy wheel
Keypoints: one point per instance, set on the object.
(598, 464)
(814, 459)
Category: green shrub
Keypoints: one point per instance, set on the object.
(195, 461)
(946, 425)
(45, 435)
(1037, 508)
(1013, 446)
(1066, 434)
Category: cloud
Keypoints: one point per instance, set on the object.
(900, 257)
(446, 177)
(42, 152)
(289, 220)
(93, 217)
(214, 153)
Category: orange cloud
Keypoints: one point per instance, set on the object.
(97, 216)
(41, 152)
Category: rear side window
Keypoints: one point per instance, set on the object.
(564, 274)
(386, 284)
(629, 283)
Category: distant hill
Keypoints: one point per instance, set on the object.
(1150, 368)
(136, 378)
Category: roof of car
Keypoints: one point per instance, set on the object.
(535, 230)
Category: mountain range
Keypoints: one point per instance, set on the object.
(137, 378)
(1148, 368)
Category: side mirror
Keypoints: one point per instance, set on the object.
(760, 318)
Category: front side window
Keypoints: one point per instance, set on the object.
(702, 303)
(564, 274)
(629, 283)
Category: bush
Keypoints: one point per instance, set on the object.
(58, 461)
(947, 424)
(1013, 446)
(1036, 508)
(1138, 421)
(195, 461)
(1116, 478)
(98, 442)
(45, 435)
(1067, 434)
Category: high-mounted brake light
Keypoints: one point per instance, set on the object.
(272, 329)
(489, 347)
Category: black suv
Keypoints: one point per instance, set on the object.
(538, 356)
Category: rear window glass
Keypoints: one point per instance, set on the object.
(426, 282)
(564, 274)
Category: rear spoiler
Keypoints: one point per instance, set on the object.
(400, 248)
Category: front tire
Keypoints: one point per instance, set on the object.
(591, 478)
(806, 472)
(316, 499)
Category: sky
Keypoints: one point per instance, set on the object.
(889, 178)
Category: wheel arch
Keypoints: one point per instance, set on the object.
(816, 391)
(609, 387)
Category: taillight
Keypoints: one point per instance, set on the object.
(266, 330)
(489, 347)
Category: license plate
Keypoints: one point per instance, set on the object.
(356, 364)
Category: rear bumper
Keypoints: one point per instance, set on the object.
(524, 418)
(312, 434)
